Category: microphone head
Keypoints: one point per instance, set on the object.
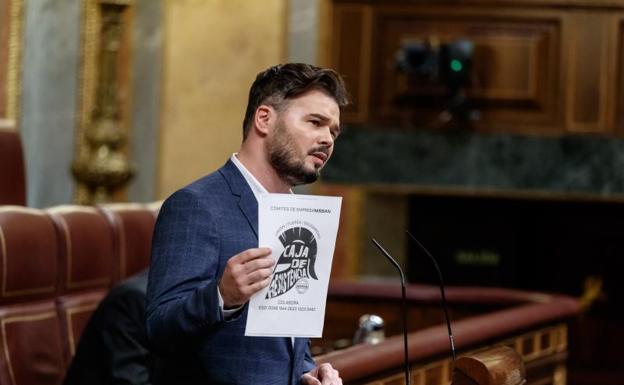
(371, 330)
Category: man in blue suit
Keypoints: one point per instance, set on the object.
(206, 262)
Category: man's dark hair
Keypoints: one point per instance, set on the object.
(279, 83)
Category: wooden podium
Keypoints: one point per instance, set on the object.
(499, 365)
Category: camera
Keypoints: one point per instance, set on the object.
(429, 63)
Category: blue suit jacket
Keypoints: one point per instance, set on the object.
(198, 229)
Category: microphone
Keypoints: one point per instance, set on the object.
(404, 307)
(444, 305)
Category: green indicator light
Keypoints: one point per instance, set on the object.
(456, 65)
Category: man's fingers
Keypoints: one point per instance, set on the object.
(258, 275)
(308, 379)
(257, 286)
(324, 374)
(245, 274)
(257, 264)
(251, 254)
(249, 284)
(328, 375)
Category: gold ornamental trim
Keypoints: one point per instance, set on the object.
(87, 75)
(100, 163)
(16, 9)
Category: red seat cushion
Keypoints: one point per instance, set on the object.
(86, 248)
(29, 255)
(133, 226)
(31, 347)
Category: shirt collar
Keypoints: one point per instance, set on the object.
(256, 187)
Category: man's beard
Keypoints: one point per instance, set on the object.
(284, 158)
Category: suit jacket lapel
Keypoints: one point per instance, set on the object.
(249, 206)
(239, 187)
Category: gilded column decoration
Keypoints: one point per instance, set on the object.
(101, 167)
(11, 24)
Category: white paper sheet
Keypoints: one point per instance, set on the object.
(301, 232)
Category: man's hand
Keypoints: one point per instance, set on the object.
(322, 375)
(245, 274)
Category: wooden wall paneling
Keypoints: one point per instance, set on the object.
(348, 252)
(4, 55)
(351, 52)
(516, 61)
(325, 33)
(619, 90)
(611, 76)
(590, 58)
(541, 66)
(518, 81)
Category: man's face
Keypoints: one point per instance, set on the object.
(303, 137)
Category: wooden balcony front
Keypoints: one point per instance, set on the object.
(534, 324)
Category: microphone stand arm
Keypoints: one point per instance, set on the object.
(444, 306)
(403, 306)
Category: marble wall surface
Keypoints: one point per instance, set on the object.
(467, 160)
(49, 98)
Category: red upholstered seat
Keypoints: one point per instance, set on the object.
(29, 250)
(12, 177)
(86, 248)
(75, 311)
(86, 252)
(31, 350)
(133, 225)
(55, 267)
